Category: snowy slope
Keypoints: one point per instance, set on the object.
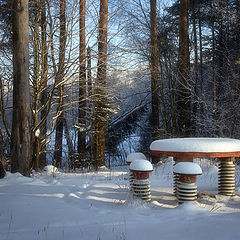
(89, 206)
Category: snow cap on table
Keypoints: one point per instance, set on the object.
(135, 155)
(188, 168)
(141, 165)
(196, 145)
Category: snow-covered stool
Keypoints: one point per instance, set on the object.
(130, 158)
(141, 185)
(185, 149)
(187, 176)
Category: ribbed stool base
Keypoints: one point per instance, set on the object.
(131, 178)
(186, 192)
(175, 183)
(141, 189)
(227, 177)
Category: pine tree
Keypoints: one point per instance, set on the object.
(154, 71)
(59, 79)
(82, 83)
(183, 89)
(100, 89)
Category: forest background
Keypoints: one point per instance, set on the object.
(83, 83)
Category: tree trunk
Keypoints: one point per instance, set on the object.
(44, 71)
(59, 78)
(2, 157)
(36, 84)
(195, 118)
(21, 129)
(221, 66)
(82, 83)
(68, 138)
(154, 71)
(214, 75)
(39, 84)
(36, 151)
(237, 65)
(90, 104)
(183, 91)
(201, 114)
(220, 54)
(2, 109)
(100, 89)
(2, 171)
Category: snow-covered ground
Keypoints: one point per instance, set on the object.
(94, 206)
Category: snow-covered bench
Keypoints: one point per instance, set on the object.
(185, 149)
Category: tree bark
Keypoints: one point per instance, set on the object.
(90, 104)
(183, 91)
(21, 129)
(44, 71)
(154, 71)
(100, 89)
(237, 65)
(221, 56)
(59, 78)
(214, 74)
(2, 157)
(36, 84)
(195, 114)
(201, 115)
(68, 137)
(2, 171)
(82, 83)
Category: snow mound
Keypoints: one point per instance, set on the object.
(135, 155)
(103, 168)
(16, 177)
(141, 165)
(50, 170)
(196, 145)
(190, 207)
(187, 168)
(135, 203)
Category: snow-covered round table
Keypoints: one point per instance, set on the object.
(185, 149)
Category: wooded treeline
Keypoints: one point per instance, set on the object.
(83, 82)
